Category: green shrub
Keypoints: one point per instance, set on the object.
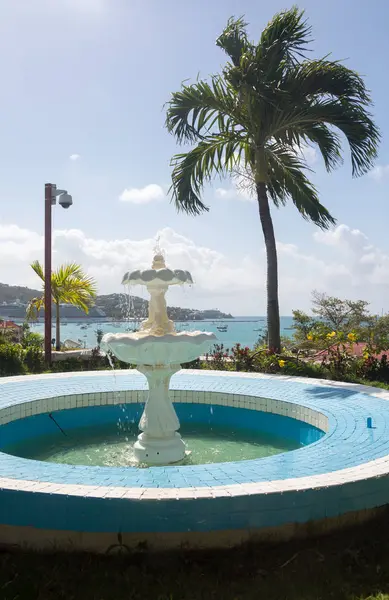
(32, 340)
(374, 369)
(338, 363)
(93, 362)
(12, 359)
(34, 359)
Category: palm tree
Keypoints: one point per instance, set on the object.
(69, 285)
(257, 116)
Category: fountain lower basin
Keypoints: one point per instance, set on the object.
(77, 507)
(215, 434)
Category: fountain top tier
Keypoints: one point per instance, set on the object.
(158, 276)
(158, 327)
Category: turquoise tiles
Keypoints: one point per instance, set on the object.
(331, 476)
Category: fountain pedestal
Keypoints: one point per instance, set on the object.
(159, 442)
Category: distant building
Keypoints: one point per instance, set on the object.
(12, 329)
(18, 312)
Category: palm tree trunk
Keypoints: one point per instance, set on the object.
(57, 328)
(273, 310)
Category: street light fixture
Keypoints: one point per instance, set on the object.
(65, 200)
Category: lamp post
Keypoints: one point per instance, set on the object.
(65, 200)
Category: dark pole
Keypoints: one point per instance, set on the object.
(48, 200)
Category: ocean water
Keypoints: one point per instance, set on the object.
(243, 330)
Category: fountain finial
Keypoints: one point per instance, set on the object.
(158, 261)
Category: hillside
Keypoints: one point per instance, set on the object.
(11, 293)
(115, 306)
(118, 307)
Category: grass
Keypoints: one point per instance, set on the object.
(350, 565)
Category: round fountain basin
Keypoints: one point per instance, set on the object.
(341, 478)
(213, 434)
(141, 348)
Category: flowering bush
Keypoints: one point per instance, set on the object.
(337, 354)
(219, 358)
(339, 357)
(242, 357)
(336, 359)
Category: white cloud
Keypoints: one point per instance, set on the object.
(341, 262)
(367, 264)
(74, 156)
(149, 193)
(239, 191)
(215, 274)
(344, 237)
(379, 172)
(18, 248)
(224, 193)
(108, 260)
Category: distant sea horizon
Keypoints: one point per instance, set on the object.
(244, 330)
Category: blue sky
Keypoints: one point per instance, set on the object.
(83, 88)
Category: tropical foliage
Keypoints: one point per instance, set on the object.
(69, 285)
(256, 118)
(332, 314)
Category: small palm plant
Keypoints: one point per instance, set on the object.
(69, 285)
(256, 117)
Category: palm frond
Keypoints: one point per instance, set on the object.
(33, 308)
(196, 109)
(287, 180)
(85, 287)
(355, 122)
(66, 271)
(77, 298)
(311, 78)
(327, 141)
(69, 285)
(215, 156)
(288, 125)
(38, 269)
(233, 40)
(285, 39)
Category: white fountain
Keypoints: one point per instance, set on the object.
(158, 351)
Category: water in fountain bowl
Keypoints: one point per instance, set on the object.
(108, 446)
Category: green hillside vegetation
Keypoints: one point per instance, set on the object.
(115, 306)
(118, 307)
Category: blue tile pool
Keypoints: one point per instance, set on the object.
(342, 467)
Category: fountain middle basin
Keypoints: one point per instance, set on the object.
(158, 358)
